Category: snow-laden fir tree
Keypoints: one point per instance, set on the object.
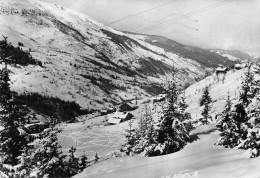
(46, 158)
(174, 125)
(142, 139)
(251, 140)
(248, 90)
(13, 138)
(239, 126)
(225, 115)
(23, 154)
(169, 133)
(205, 102)
(231, 126)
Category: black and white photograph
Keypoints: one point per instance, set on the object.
(129, 88)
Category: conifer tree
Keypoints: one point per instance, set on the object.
(169, 133)
(205, 97)
(205, 101)
(131, 137)
(252, 140)
(83, 162)
(13, 138)
(173, 132)
(247, 92)
(28, 153)
(231, 124)
(238, 125)
(226, 115)
(73, 162)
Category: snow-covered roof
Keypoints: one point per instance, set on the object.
(41, 119)
(125, 104)
(239, 65)
(221, 69)
(114, 120)
(120, 115)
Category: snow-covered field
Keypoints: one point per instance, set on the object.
(91, 136)
(200, 158)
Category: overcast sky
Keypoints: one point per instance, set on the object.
(233, 25)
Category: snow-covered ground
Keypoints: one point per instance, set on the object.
(219, 89)
(200, 158)
(94, 135)
(69, 44)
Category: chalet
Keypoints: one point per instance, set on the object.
(125, 107)
(239, 66)
(222, 70)
(25, 49)
(103, 112)
(111, 110)
(35, 128)
(120, 117)
(36, 119)
(160, 97)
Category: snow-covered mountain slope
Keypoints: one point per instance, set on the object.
(86, 62)
(219, 86)
(204, 57)
(234, 55)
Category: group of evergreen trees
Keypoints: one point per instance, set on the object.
(24, 153)
(240, 123)
(19, 56)
(167, 135)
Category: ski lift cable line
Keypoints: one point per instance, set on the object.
(139, 13)
(185, 15)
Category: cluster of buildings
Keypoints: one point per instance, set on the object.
(224, 70)
(122, 113)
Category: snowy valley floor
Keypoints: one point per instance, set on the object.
(200, 158)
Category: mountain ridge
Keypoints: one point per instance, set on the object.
(87, 62)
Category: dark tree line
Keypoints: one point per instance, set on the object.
(18, 56)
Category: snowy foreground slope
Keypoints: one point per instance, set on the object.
(94, 65)
(200, 158)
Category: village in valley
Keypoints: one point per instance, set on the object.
(153, 94)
